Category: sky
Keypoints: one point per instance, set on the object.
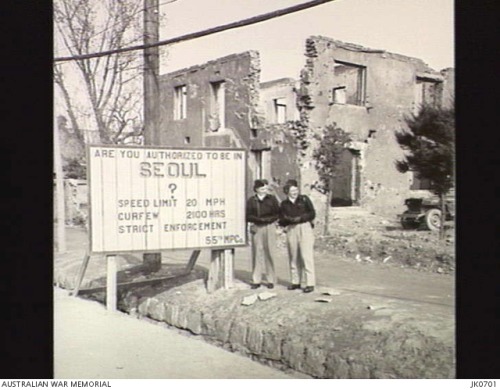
(417, 28)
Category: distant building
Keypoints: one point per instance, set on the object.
(365, 92)
(278, 100)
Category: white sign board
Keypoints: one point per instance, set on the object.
(154, 198)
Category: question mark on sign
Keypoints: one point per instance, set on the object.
(172, 187)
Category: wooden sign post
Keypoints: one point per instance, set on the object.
(228, 268)
(81, 273)
(221, 271)
(111, 286)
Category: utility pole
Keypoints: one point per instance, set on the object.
(151, 72)
(61, 215)
(151, 94)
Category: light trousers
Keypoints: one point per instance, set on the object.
(300, 240)
(263, 253)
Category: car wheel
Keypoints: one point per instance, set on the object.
(433, 219)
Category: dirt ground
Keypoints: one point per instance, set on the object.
(371, 238)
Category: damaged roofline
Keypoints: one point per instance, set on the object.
(280, 81)
(425, 76)
(250, 53)
(426, 69)
(363, 49)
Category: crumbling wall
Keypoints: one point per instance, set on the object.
(309, 132)
(389, 94)
(241, 76)
(75, 202)
(448, 94)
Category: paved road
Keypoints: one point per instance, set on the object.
(419, 288)
(383, 280)
(91, 343)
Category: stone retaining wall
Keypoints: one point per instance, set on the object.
(324, 342)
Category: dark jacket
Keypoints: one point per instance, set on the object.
(300, 211)
(262, 212)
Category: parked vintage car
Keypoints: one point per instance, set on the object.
(426, 212)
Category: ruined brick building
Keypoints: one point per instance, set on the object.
(218, 104)
(367, 93)
(363, 91)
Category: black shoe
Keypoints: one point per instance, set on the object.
(294, 286)
(270, 285)
(308, 289)
(253, 286)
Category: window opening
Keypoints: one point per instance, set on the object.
(180, 102)
(338, 95)
(426, 92)
(280, 110)
(218, 103)
(350, 80)
(258, 158)
(263, 160)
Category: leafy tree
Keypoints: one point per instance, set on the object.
(105, 90)
(332, 143)
(429, 143)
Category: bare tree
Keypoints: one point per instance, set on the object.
(108, 88)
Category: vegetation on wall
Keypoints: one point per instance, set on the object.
(299, 132)
(331, 144)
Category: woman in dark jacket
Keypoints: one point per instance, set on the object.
(296, 215)
(262, 211)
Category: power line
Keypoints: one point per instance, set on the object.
(135, 13)
(118, 22)
(186, 37)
